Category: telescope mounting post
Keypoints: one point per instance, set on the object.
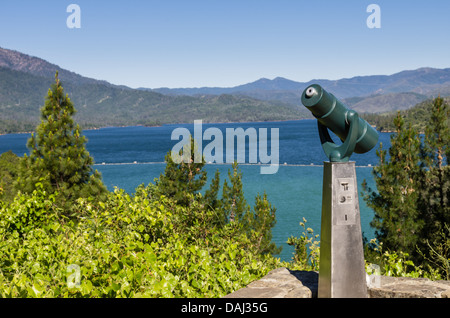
(342, 267)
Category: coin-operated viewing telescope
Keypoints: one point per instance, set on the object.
(355, 133)
(342, 269)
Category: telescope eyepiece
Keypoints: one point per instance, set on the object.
(310, 92)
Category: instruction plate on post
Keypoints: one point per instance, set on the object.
(345, 201)
(345, 191)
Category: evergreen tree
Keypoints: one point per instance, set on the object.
(234, 205)
(58, 157)
(396, 220)
(212, 201)
(260, 224)
(412, 208)
(211, 195)
(257, 224)
(434, 203)
(182, 177)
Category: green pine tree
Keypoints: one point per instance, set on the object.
(234, 206)
(213, 202)
(260, 224)
(58, 157)
(182, 177)
(396, 221)
(257, 224)
(434, 203)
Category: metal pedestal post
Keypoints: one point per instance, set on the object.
(342, 273)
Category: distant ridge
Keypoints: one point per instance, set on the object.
(423, 81)
(17, 61)
(413, 86)
(25, 80)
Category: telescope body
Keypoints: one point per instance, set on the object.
(342, 272)
(332, 113)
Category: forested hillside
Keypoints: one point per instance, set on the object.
(99, 105)
(418, 117)
(24, 81)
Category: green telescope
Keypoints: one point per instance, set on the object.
(355, 133)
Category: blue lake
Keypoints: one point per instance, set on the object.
(129, 156)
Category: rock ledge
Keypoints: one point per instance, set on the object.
(284, 283)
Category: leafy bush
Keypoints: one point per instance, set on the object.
(8, 173)
(439, 252)
(307, 250)
(398, 264)
(128, 246)
(28, 212)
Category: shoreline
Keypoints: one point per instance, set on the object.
(160, 125)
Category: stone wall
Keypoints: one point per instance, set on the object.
(284, 283)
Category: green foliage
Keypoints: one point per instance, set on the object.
(234, 205)
(307, 249)
(439, 251)
(211, 198)
(142, 245)
(257, 223)
(27, 212)
(8, 174)
(58, 158)
(437, 135)
(411, 204)
(395, 203)
(382, 122)
(398, 263)
(182, 176)
(434, 189)
(127, 246)
(19, 95)
(418, 116)
(260, 224)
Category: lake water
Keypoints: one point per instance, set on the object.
(129, 156)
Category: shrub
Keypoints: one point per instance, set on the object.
(127, 246)
(307, 250)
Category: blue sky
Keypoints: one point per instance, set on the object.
(225, 43)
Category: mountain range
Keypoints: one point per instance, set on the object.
(25, 80)
(372, 94)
